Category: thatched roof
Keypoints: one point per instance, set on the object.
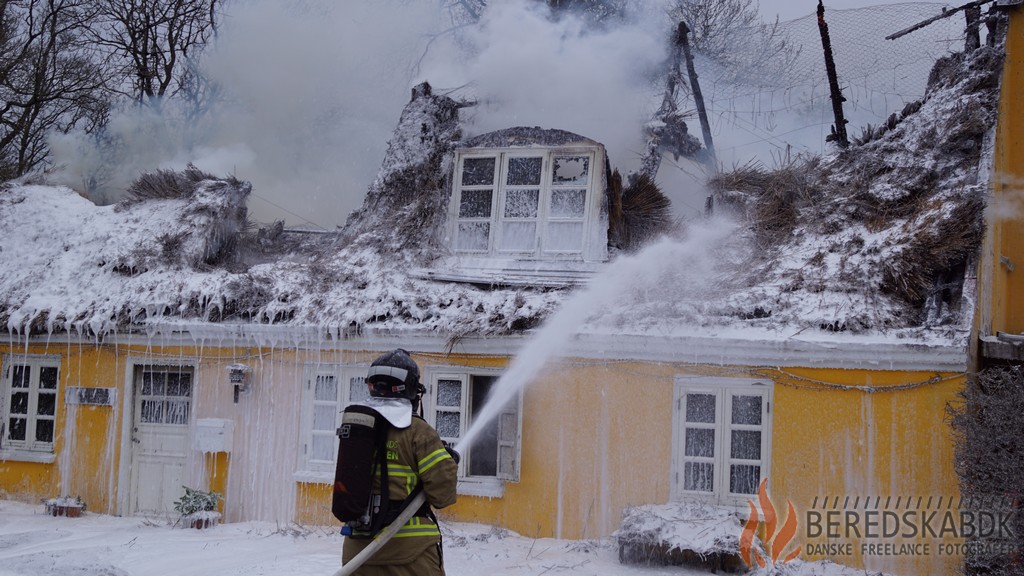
(886, 231)
(876, 240)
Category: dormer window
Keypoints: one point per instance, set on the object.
(526, 204)
(528, 207)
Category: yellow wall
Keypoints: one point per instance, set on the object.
(596, 439)
(26, 481)
(829, 442)
(217, 474)
(313, 504)
(1002, 287)
(87, 445)
(591, 445)
(85, 462)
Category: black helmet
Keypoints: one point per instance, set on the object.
(394, 375)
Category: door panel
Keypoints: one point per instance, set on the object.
(160, 437)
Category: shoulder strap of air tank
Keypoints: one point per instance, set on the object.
(381, 510)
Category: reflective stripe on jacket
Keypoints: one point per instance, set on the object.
(413, 454)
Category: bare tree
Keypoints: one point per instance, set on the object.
(732, 34)
(462, 11)
(595, 12)
(64, 64)
(155, 44)
(50, 80)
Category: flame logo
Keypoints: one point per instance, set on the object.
(775, 542)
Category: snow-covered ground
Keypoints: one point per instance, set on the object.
(33, 543)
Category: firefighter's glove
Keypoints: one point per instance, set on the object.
(452, 452)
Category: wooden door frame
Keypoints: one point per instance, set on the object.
(127, 416)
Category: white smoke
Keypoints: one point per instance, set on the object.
(533, 70)
(311, 92)
(530, 68)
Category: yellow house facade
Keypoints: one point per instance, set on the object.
(592, 435)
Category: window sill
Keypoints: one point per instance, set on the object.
(484, 487)
(27, 456)
(510, 272)
(731, 503)
(313, 477)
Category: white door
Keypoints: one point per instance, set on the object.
(160, 437)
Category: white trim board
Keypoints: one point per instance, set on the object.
(847, 352)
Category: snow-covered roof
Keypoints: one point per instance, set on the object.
(527, 136)
(850, 258)
(882, 237)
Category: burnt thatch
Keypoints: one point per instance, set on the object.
(405, 207)
(932, 263)
(770, 200)
(643, 213)
(899, 216)
(525, 136)
(168, 184)
(215, 215)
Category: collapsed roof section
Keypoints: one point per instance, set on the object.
(882, 236)
(407, 202)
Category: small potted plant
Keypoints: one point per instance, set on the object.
(198, 508)
(65, 506)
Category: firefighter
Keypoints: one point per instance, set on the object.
(415, 455)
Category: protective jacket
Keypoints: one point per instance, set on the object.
(414, 454)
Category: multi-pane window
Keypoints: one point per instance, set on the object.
(328, 389)
(476, 205)
(165, 395)
(722, 438)
(29, 403)
(456, 399)
(523, 204)
(570, 179)
(450, 404)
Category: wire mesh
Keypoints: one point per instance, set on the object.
(788, 109)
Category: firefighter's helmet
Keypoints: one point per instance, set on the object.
(395, 375)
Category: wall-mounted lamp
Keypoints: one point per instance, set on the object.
(238, 376)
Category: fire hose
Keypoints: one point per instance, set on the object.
(385, 535)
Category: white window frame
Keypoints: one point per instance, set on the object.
(511, 440)
(724, 390)
(310, 468)
(545, 220)
(28, 449)
(188, 415)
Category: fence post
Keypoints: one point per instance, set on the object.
(973, 16)
(838, 134)
(698, 97)
(652, 157)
